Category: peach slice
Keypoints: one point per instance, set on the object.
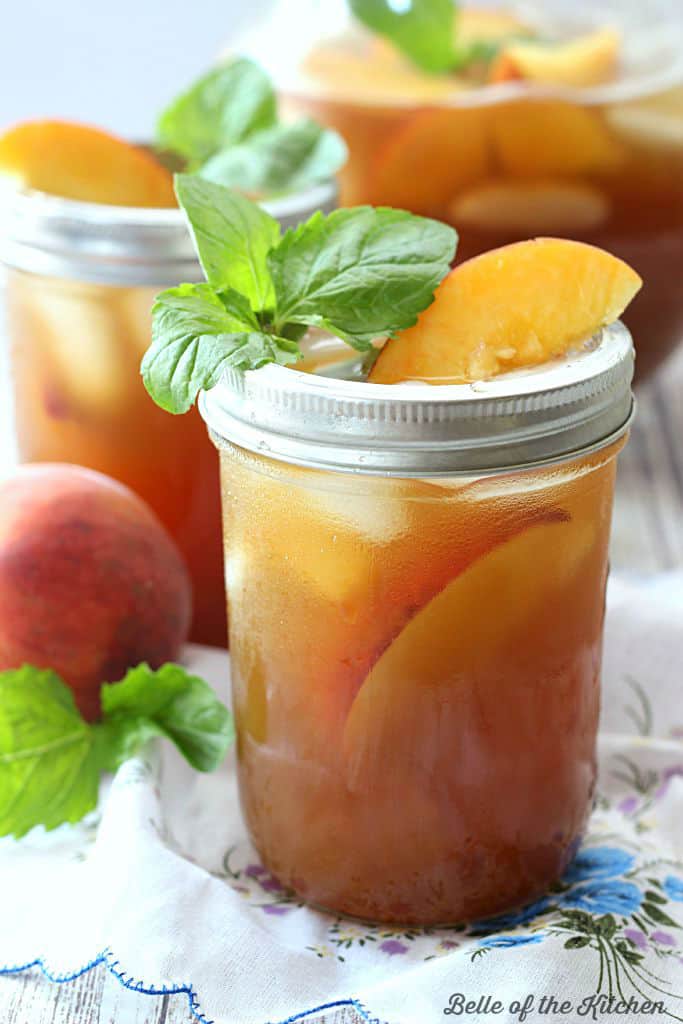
(512, 307)
(441, 667)
(590, 60)
(433, 155)
(531, 207)
(551, 138)
(79, 162)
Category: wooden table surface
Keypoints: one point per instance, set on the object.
(647, 537)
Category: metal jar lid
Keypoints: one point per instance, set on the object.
(521, 419)
(119, 245)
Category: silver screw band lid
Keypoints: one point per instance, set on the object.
(516, 420)
(119, 245)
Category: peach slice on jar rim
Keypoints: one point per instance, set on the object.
(75, 161)
(430, 157)
(510, 308)
(591, 59)
(544, 206)
(534, 138)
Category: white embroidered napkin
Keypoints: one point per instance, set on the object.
(165, 890)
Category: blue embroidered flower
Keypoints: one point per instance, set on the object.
(598, 862)
(673, 887)
(505, 941)
(511, 919)
(608, 896)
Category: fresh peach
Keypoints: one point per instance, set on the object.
(589, 60)
(512, 307)
(79, 162)
(90, 582)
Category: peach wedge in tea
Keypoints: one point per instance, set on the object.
(76, 161)
(517, 306)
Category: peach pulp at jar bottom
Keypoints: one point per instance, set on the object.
(415, 668)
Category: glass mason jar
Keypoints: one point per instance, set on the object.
(80, 283)
(510, 161)
(416, 582)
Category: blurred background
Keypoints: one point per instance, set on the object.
(112, 64)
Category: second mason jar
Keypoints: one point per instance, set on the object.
(416, 578)
(80, 284)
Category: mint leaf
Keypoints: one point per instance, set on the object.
(361, 273)
(221, 109)
(196, 334)
(175, 704)
(422, 29)
(51, 760)
(233, 237)
(49, 763)
(284, 158)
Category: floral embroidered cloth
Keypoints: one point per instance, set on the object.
(165, 890)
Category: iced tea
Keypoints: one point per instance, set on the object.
(416, 679)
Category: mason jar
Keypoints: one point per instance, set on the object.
(516, 159)
(416, 582)
(80, 283)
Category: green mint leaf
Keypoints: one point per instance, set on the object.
(284, 158)
(422, 29)
(197, 333)
(361, 273)
(221, 109)
(49, 759)
(172, 703)
(233, 237)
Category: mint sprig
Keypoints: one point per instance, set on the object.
(284, 158)
(421, 29)
(360, 273)
(233, 237)
(222, 108)
(51, 759)
(197, 333)
(226, 128)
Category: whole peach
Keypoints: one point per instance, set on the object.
(90, 582)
